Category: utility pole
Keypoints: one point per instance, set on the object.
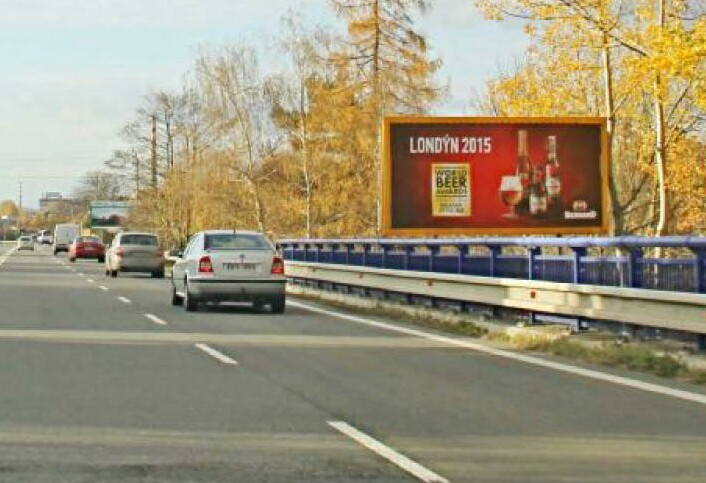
(154, 150)
(170, 141)
(19, 214)
(136, 158)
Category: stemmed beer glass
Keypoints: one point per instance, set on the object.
(511, 194)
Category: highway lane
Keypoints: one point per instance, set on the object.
(466, 416)
(106, 411)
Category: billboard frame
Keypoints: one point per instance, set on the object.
(105, 203)
(387, 230)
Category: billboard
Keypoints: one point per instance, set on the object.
(109, 214)
(471, 176)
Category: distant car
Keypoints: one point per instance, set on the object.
(135, 252)
(45, 237)
(87, 247)
(64, 234)
(229, 266)
(25, 243)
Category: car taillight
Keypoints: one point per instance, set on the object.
(205, 265)
(120, 252)
(277, 266)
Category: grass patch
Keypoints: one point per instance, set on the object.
(446, 322)
(609, 354)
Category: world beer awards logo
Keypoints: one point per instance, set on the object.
(450, 189)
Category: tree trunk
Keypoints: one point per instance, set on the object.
(660, 147)
(304, 135)
(617, 210)
(379, 113)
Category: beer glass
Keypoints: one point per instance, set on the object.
(511, 194)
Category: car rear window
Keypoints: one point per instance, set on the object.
(88, 239)
(236, 241)
(145, 240)
(25, 238)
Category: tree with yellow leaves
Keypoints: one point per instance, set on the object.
(649, 49)
(389, 66)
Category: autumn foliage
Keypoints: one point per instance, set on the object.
(296, 151)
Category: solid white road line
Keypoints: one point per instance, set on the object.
(125, 300)
(155, 319)
(537, 361)
(103, 288)
(400, 460)
(217, 355)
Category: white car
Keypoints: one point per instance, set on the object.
(229, 266)
(25, 243)
(45, 238)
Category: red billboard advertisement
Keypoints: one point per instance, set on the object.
(470, 176)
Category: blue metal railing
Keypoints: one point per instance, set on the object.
(580, 260)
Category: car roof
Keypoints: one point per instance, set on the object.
(137, 233)
(225, 232)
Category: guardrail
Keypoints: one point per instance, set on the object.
(587, 279)
(681, 312)
(617, 261)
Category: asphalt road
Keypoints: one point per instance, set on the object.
(102, 380)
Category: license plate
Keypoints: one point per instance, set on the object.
(239, 266)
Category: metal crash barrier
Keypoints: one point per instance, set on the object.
(618, 279)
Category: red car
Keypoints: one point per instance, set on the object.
(87, 247)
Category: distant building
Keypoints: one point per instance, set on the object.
(53, 203)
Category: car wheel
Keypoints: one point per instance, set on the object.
(176, 298)
(114, 273)
(72, 259)
(107, 272)
(278, 304)
(257, 305)
(158, 274)
(101, 259)
(191, 304)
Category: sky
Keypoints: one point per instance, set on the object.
(73, 72)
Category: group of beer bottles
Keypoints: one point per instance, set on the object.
(541, 184)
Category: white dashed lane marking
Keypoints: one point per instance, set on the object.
(155, 319)
(399, 460)
(216, 354)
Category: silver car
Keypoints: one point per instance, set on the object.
(135, 252)
(229, 266)
(25, 243)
